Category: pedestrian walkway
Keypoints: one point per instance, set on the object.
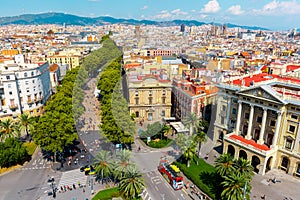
(145, 195)
(72, 177)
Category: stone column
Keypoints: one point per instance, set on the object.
(263, 127)
(296, 146)
(228, 112)
(277, 128)
(248, 136)
(238, 120)
(263, 167)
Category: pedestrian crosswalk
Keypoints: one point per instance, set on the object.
(145, 195)
(72, 177)
(38, 163)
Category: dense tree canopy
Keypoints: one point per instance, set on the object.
(12, 152)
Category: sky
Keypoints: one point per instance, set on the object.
(272, 14)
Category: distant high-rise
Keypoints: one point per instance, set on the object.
(182, 28)
(137, 31)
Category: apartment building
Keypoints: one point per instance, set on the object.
(191, 94)
(260, 121)
(24, 88)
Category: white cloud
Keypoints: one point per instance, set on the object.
(174, 14)
(164, 14)
(178, 12)
(279, 8)
(144, 7)
(202, 16)
(235, 10)
(211, 7)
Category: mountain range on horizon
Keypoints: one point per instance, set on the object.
(69, 19)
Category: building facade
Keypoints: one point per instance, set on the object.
(24, 88)
(149, 95)
(262, 124)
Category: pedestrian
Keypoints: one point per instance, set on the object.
(139, 148)
(83, 190)
(74, 186)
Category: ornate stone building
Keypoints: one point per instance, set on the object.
(262, 124)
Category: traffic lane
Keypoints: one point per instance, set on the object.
(159, 188)
(25, 184)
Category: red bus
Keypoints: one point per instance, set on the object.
(171, 173)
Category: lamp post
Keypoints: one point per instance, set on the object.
(245, 187)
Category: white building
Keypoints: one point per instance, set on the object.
(24, 88)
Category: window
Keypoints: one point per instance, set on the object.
(32, 81)
(288, 143)
(294, 116)
(137, 114)
(136, 93)
(163, 100)
(8, 77)
(26, 82)
(292, 128)
(234, 111)
(150, 100)
(32, 73)
(10, 92)
(150, 93)
(259, 119)
(9, 85)
(164, 92)
(223, 108)
(25, 74)
(246, 115)
(163, 113)
(136, 101)
(234, 100)
(272, 123)
(31, 112)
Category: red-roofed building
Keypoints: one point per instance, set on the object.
(261, 121)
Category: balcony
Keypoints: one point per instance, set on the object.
(13, 106)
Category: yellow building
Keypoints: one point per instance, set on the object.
(149, 95)
(262, 124)
(73, 60)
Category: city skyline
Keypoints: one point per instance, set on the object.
(250, 13)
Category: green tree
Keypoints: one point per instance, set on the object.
(189, 150)
(26, 123)
(132, 184)
(244, 168)
(192, 122)
(187, 147)
(103, 163)
(224, 164)
(166, 130)
(8, 129)
(122, 163)
(234, 185)
(12, 152)
(199, 138)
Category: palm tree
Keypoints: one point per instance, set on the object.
(189, 150)
(191, 121)
(244, 168)
(26, 123)
(224, 164)
(234, 187)
(103, 165)
(132, 184)
(199, 138)
(8, 129)
(122, 163)
(166, 129)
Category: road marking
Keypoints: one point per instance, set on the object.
(156, 188)
(148, 175)
(44, 188)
